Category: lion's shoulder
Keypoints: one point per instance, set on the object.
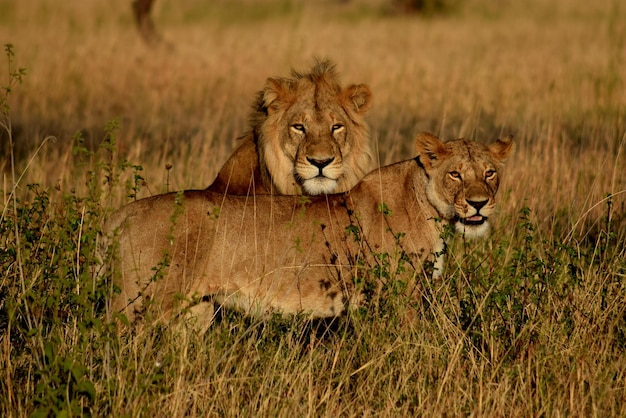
(240, 175)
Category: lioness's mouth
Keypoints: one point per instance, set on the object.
(473, 220)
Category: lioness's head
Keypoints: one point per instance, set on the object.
(313, 138)
(463, 179)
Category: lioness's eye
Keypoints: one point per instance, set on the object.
(298, 127)
(490, 174)
(454, 174)
(337, 127)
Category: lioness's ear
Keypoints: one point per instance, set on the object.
(360, 95)
(277, 93)
(501, 148)
(429, 148)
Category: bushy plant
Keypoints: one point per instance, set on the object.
(52, 301)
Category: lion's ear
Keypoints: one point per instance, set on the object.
(360, 96)
(429, 149)
(276, 94)
(501, 148)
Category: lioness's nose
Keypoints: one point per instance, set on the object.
(478, 204)
(320, 163)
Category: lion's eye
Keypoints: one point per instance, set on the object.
(489, 174)
(337, 128)
(298, 127)
(455, 175)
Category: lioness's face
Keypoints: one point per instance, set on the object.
(316, 127)
(464, 179)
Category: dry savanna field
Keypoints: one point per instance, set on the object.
(530, 321)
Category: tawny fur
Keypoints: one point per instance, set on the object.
(296, 253)
(276, 158)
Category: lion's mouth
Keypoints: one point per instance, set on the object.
(319, 185)
(319, 178)
(473, 220)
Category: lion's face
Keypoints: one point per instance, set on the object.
(315, 139)
(463, 179)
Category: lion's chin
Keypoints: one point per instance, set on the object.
(473, 227)
(319, 185)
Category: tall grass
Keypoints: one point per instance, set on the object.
(528, 322)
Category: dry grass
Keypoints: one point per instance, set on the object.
(552, 73)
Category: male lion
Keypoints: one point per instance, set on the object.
(308, 136)
(301, 254)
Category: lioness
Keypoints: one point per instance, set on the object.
(302, 254)
(308, 136)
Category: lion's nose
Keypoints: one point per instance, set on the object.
(478, 204)
(319, 163)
